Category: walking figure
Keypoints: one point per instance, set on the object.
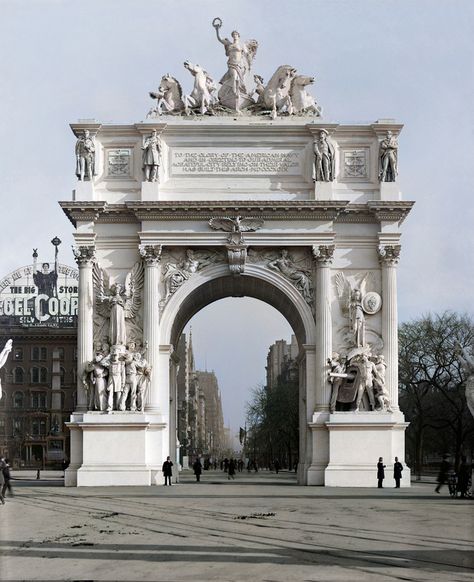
(197, 467)
(6, 479)
(167, 471)
(443, 473)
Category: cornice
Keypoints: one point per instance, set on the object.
(390, 211)
(83, 211)
(340, 211)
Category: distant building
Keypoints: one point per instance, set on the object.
(38, 311)
(200, 418)
(281, 359)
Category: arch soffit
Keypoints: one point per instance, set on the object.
(215, 282)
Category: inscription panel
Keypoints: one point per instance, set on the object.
(233, 161)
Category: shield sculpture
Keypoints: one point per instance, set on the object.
(348, 390)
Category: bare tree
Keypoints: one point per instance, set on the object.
(431, 383)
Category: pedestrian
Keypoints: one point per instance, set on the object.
(276, 464)
(197, 468)
(464, 476)
(167, 471)
(397, 472)
(380, 472)
(6, 479)
(2, 481)
(443, 473)
(231, 469)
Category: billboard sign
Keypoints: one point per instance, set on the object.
(40, 295)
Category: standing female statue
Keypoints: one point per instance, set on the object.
(236, 87)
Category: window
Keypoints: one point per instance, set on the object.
(74, 376)
(75, 353)
(2, 426)
(38, 400)
(35, 375)
(43, 375)
(38, 427)
(16, 425)
(18, 354)
(62, 375)
(18, 375)
(18, 400)
(43, 354)
(35, 354)
(61, 353)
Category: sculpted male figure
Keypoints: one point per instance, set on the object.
(133, 362)
(367, 372)
(357, 318)
(323, 159)
(151, 157)
(85, 157)
(97, 372)
(338, 366)
(388, 158)
(116, 379)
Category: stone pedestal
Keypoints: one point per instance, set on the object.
(150, 191)
(357, 440)
(323, 191)
(118, 448)
(83, 192)
(389, 191)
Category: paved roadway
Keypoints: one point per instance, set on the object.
(213, 531)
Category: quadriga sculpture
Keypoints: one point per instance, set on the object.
(169, 97)
(276, 95)
(201, 97)
(302, 102)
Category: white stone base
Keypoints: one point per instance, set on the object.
(118, 448)
(84, 192)
(150, 191)
(357, 440)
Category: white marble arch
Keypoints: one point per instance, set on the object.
(215, 282)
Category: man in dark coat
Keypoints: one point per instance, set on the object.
(464, 476)
(443, 473)
(167, 472)
(380, 472)
(197, 467)
(397, 472)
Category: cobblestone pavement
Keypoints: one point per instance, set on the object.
(260, 527)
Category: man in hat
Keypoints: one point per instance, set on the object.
(324, 159)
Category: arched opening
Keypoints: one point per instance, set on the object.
(272, 290)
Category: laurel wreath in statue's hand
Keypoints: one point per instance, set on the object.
(217, 22)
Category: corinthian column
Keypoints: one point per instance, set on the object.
(151, 255)
(84, 256)
(389, 257)
(323, 255)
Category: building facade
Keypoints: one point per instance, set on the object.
(38, 311)
(281, 358)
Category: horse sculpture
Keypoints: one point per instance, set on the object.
(201, 96)
(277, 92)
(301, 100)
(169, 97)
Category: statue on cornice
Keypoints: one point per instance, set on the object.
(236, 90)
(85, 157)
(201, 98)
(169, 97)
(388, 158)
(324, 159)
(151, 156)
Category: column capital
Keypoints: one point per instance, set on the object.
(389, 255)
(84, 255)
(151, 254)
(323, 254)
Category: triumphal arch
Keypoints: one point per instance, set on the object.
(240, 188)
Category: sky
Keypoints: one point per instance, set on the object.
(412, 60)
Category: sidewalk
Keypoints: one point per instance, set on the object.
(260, 527)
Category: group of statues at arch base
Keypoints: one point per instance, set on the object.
(117, 378)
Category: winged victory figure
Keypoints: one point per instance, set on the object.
(118, 303)
(357, 301)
